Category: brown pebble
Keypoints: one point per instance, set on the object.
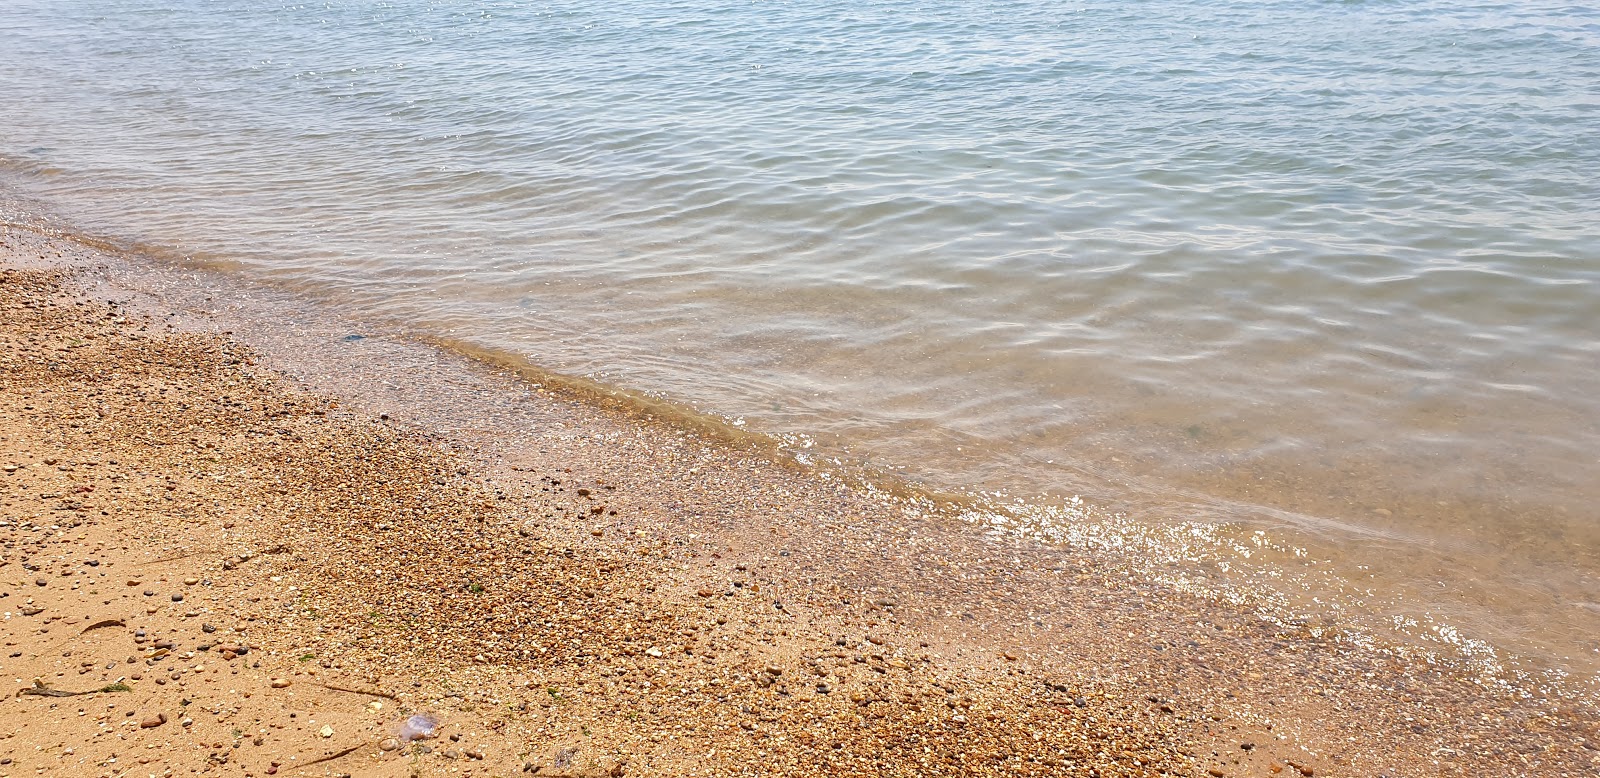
(388, 744)
(280, 683)
(153, 721)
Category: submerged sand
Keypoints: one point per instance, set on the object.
(258, 552)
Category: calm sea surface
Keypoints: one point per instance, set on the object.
(1324, 275)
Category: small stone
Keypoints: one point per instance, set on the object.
(41, 582)
(207, 628)
(32, 611)
(150, 722)
(177, 598)
(451, 753)
(653, 651)
(326, 731)
(388, 744)
(280, 683)
(473, 753)
(190, 581)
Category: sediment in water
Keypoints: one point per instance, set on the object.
(588, 591)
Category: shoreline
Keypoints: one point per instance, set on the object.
(555, 578)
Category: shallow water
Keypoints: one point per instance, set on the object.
(1327, 271)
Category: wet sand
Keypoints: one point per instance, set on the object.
(249, 542)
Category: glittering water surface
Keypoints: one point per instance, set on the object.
(1321, 270)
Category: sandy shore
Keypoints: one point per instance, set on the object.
(258, 552)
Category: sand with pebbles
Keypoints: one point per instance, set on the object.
(260, 552)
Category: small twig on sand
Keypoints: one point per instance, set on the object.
(103, 624)
(40, 690)
(330, 757)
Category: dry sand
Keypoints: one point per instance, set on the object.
(257, 553)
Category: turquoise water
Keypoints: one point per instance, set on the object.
(1329, 271)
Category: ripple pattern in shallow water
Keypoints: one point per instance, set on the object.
(1328, 268)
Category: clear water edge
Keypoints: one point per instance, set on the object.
(1350, 310)
(1226, 562)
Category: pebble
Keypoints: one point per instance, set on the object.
(177, 598)
(280, 683)
(190, 581)
(153, 721)
(388, 744)
(326, 731)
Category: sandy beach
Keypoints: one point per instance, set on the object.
(245, 539)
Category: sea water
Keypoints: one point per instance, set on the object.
(1325, 273)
